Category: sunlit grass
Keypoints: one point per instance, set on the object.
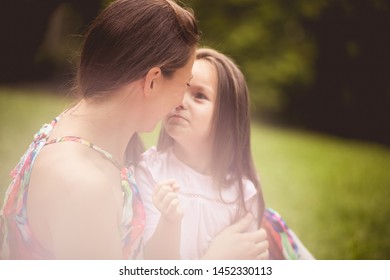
(334, 193)
(22, 113)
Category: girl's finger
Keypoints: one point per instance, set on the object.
(255, 236)
(242, 225)
(167, 200)
(162, 191)
(264, 255)
(174, 207)
(167, 182)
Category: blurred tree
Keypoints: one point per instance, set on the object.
(317, 64)
(350, 95)
(267, 39)
(322, 64)
(23, 27)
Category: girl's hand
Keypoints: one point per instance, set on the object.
(235, 243)
(166, 201)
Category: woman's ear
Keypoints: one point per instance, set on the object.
(152, 80)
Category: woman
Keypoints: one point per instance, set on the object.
(71, 197)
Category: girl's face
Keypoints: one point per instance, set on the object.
(190, 123)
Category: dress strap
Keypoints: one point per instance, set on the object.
(76, 139)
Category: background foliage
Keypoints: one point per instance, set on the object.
(321, 65)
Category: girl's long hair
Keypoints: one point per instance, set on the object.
(232, 160)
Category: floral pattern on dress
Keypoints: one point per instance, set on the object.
(17, 241)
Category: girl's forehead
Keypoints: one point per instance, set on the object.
(204, 74)
(203, 69)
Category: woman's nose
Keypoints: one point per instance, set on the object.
(184, 103)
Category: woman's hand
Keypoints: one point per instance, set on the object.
(167, 202)
(235, 243)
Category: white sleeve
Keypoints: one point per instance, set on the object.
(146, 184)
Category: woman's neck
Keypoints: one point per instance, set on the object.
(103, 123)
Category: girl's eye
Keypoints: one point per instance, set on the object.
(200, 95)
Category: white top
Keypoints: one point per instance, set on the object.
(205, 213)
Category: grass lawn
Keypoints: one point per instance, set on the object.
(334, 193)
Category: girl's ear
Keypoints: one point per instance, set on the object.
(152, 79)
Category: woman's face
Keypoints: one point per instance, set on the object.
(169, 94)
(191, 122)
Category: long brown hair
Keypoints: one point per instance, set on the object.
(126, 40)
(130, 37)
(232, 160)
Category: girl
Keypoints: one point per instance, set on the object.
(204, 146)
(71, 197)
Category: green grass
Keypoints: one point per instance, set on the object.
(334, 193)
(22, 113)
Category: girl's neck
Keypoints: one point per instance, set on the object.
(196, 157)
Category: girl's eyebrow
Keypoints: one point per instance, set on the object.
(204, 89)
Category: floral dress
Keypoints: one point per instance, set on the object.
(17, 241)
(283, 243)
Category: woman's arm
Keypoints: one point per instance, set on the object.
(235, 242)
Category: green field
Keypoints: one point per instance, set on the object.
(334, 193)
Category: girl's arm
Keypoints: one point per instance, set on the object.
(162, 234)
(165, 241)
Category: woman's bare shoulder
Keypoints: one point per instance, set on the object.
(64, 172)
(72, 198)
